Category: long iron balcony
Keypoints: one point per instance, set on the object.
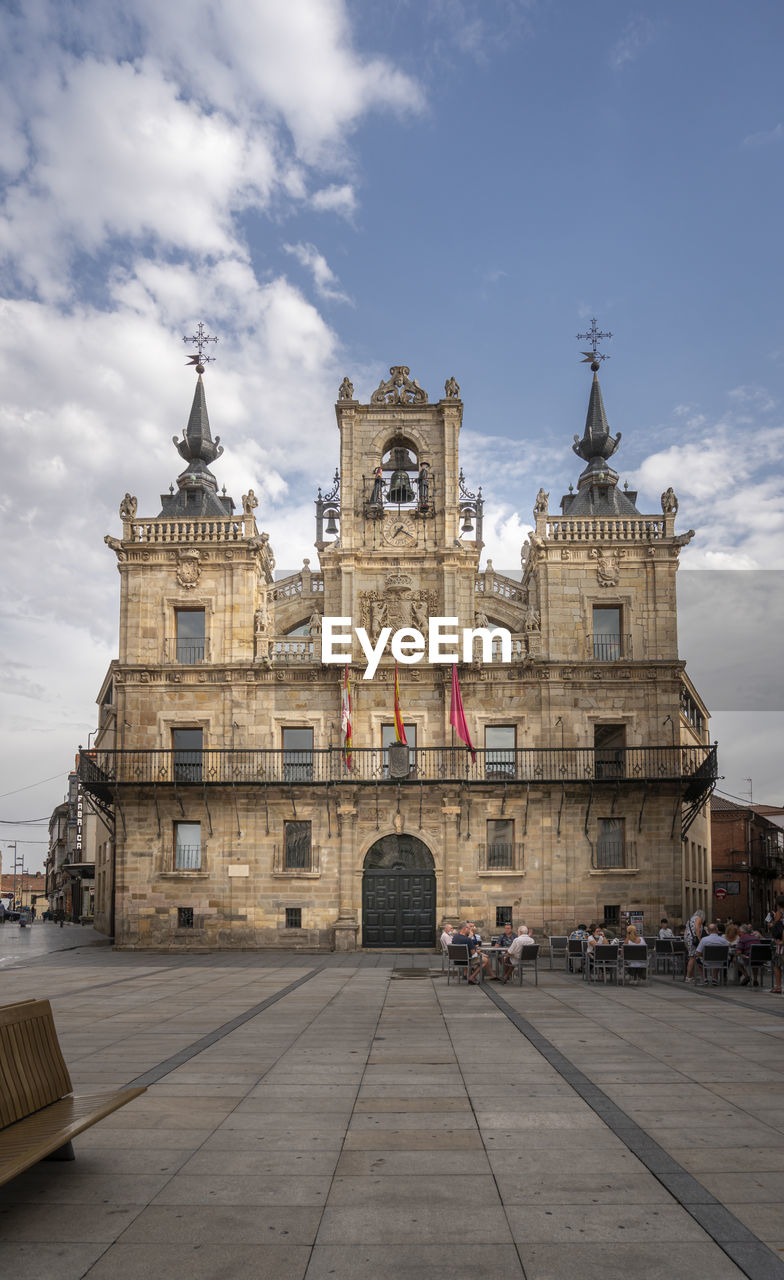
(103, 771)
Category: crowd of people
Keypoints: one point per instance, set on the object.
(512, 943)
(696, 935)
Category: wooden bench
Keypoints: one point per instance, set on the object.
(39, 1113)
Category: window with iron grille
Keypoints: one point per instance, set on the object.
(293, 917)
(500, 844)
(503, 915)
(187, 846)
(185, 917)
(298, 854)
(612, 916)
(500, 742)
(607, 639)
(297, 755)
(187, 748)
(609, 844)
(190, 634)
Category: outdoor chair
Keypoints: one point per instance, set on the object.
(457, 962)
(679, 958)
(634, 961)
(575, 955)
(663, 955)
(761, 959)
(604, 962)
(527, 959)
(715, 961)
(651, 942)
(558, 949)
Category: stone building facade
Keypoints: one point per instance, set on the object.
(239, 817)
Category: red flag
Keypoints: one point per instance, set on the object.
(345, 719)
(400, 728)
(457, 715)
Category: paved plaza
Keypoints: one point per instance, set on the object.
(335, 1117)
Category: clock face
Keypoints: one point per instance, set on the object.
(399, 530)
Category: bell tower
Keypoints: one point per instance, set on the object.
(399, 534)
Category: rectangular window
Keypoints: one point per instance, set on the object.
(187, 749)
(612, 915)
(503, 915)
(609, 742)
(293, 917)
(609, 844)
(297, 856)
(607, 646)
(185, 917)
(187, 846)
(500, 844)
(388, 737)
(500, 742)
(297, 755)
(190, 637)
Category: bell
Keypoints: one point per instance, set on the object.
(332, 525)
(400, 488)
(467, 526)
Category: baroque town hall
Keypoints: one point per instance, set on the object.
(231, 813)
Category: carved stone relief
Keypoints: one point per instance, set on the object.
(188, 568)
(608, 564)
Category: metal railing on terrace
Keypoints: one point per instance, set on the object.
(610, 648)
(105, 770)
(610, 855)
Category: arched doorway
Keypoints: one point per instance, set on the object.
(398, 894)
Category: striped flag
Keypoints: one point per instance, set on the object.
(345, 719)
(457, 715)
(400, 728)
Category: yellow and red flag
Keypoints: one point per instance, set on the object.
(345, 719)
(400, 728)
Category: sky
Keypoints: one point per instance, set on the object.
(337, 186)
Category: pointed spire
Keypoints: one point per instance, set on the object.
(597, 442)
(597, 487)
(197, 489)
(197, 441)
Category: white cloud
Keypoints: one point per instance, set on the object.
(324, 278)
(766, 137)
(635, 37)
(335, 199)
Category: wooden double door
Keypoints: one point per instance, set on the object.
(399, 894)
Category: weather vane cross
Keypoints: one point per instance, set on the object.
(594, 336)
(200, 340)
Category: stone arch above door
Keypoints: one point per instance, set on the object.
(399, 853)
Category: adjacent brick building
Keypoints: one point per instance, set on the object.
(748, 860)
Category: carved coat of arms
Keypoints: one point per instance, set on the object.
(188, 567)
(608, 565)
(399, 604)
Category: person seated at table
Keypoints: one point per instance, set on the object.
(514, 950)
(596, 938)
(507, 937)
(636, 968)
(665, 931)
(710, 939)
(743, 944)
(465, 937)
(447, 935)
(580, 932)
(475, 932)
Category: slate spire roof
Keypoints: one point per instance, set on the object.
(597, 487)
(197, 489)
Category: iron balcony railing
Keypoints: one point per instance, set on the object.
(500, 857)
(105, 770)
(615, 855)
(610, 648)
(295, 862)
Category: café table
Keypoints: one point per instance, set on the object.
(496, 955)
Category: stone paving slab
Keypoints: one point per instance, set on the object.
(319, 1137)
